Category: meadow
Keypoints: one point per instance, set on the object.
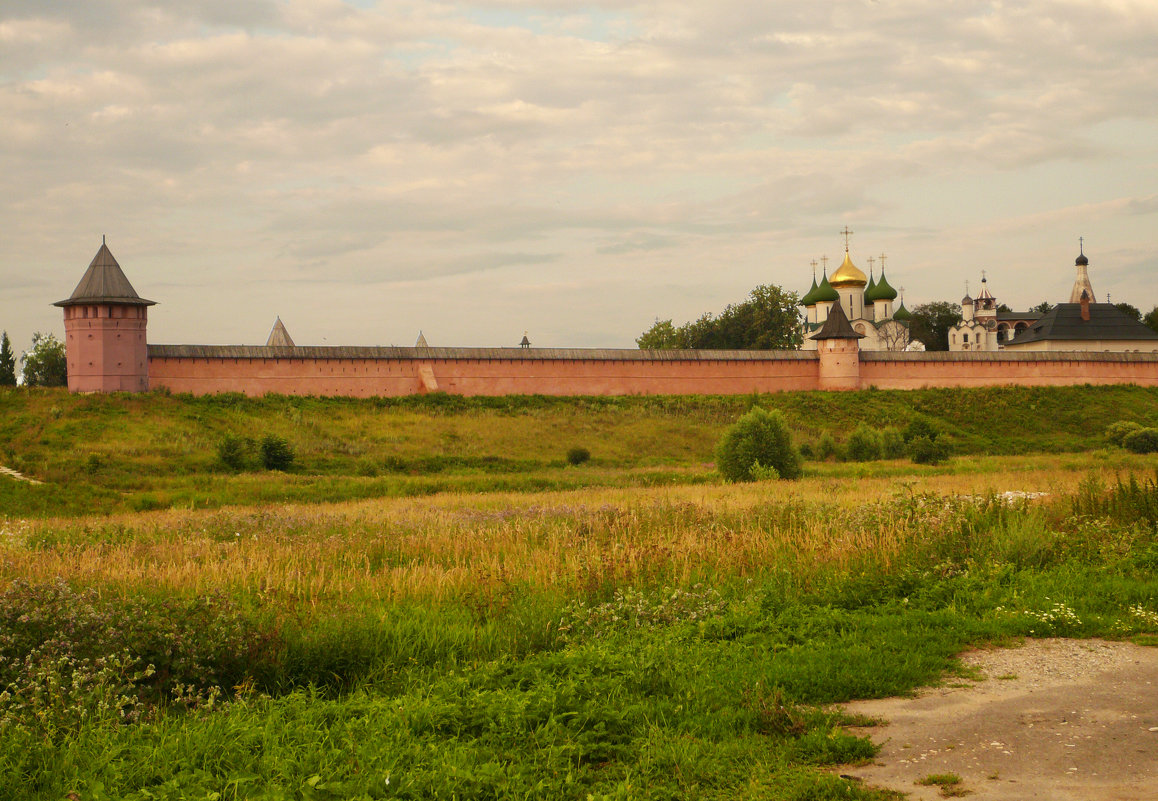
(597, 637)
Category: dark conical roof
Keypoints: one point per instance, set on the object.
(103, 282)
(837, 326)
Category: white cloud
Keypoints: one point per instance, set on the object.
(670, 156)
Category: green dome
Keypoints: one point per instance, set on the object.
(902, 315)
(872, 284)
(881, 291)
(825, 292)
(809, 298)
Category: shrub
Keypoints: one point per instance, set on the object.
(918, 427)
(892, 444)
(923, 450)
(806, 450)
(235, 452)
(1117, 432)
(826, 446)
(762, 473)
(276, 453)
(1144, 440)
(759, 437)
(864, 444)
(577, 456)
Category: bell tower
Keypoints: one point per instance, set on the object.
(104, 326)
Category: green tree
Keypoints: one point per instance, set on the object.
(759, 439)
(1043, 308)
(661, 336)
(1151, 319)
(45, 364)
(767, 320)
(7, 362)
(931, 323)
(1129, 310)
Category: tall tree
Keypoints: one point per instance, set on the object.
(931, 323)
(767, 320)
(7, 362)
(661, 336)
(1043, 308)
(1151, 319)
(45, 364)
(1130, 310)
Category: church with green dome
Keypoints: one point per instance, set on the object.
(867, 302)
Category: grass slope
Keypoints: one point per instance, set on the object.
(126, 452)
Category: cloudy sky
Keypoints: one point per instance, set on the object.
(574, 169)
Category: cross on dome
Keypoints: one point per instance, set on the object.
(846, 234)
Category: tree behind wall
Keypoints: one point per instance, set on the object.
(767, 320)
(931, 323)
(1151, 319)
(7, 362)
(45, 364)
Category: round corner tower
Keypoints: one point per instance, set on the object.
(104, 327)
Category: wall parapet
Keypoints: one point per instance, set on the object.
(1026, 357)
(474, 354)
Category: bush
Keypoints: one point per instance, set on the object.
(918, 427)
(235, 452)
(806, 450)
(759, 438)
(1117, 432)
(892, 444)
(1144, 440)
(825, 446)
(864, 444)
(924, 450)
(577, 456)
(276, 453)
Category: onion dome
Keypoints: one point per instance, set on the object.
(848, 275)
(809, 298)
(872, 284)
(1081, 261)
(881, 291)
(966, 301)
(825, 292)
(901, 314)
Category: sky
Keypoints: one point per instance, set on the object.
(576, 170)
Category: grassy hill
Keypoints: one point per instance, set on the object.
(117, 452)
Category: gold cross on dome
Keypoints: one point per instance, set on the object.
(846, 234)
(824, 261)
(871, 260)
(813, 265)
(882, 263)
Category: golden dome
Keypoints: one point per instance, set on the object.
(848, 274)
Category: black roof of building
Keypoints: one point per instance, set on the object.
(1065, 322)
(837, 326)
(103, 282)
(1014, 315)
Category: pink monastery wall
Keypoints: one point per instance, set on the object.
(465, 371)
(963, 369)
(366, 372)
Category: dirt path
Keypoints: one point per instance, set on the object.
(8, 471)
(1064, 720)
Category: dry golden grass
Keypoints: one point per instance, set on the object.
(451, 547)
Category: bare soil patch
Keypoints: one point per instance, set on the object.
(1064, 720)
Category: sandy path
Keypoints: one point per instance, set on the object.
(8, 471)
(1064, 720)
